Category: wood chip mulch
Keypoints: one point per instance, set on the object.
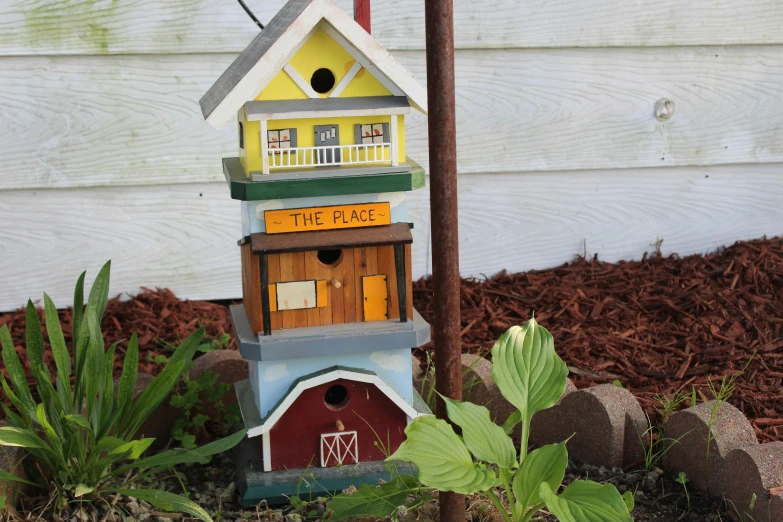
(660, 325)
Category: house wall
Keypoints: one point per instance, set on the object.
(104, 153)
(344, 304)
(369, 412)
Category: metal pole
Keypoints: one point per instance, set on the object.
(439, 18)
(361, 13)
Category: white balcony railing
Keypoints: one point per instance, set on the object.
(298, 157)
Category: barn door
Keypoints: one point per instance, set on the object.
(339, 448)
(376, 297)
(327, 138)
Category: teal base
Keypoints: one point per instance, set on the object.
(276, 487)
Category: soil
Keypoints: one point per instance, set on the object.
(657, 498)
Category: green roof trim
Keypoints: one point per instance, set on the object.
(306, 185)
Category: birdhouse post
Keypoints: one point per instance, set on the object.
(327, 321)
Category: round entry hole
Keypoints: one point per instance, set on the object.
(330, 257)
(336, 397)
(322, 81)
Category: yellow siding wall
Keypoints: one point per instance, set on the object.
(321, 51)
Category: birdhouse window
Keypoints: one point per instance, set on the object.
(241, 136)
(281, 139)
(373, 133)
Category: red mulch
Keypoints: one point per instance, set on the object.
(659, 325)
(160, 320)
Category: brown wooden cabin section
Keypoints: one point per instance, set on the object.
(351, 269)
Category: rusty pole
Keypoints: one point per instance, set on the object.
(439, 19)
(361, 13)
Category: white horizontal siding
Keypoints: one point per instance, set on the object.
(196, 26)
(104, 154)
(184, 236)
(130, 120)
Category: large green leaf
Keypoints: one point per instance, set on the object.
(485, 439)
(546, 464)
(166, 501)
(586, 501)
(374, 501)
(13, 436)
(35, 344)
(442, 458)
(527, 370)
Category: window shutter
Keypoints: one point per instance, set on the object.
(293, 137)
(386, 136)
(357, 132)
(273, 297)
(241, 136)
(321, 293)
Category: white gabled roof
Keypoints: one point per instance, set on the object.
(270, 51)
(330, 375)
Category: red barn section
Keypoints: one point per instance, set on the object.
(349, 414)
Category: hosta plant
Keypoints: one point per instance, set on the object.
(81, 433)
(483, 460)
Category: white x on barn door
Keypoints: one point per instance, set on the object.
(339, 448)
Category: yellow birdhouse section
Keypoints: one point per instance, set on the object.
(351, 126)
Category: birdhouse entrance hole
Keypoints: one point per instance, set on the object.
(336, 397)
(322, 81)
(331, 257)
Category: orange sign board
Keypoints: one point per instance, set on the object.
(327, 218)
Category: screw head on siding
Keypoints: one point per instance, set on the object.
(664, 109)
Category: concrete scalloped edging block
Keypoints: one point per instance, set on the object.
(776, 505)
(752, 471)
(230, 367)
(606, 421)
(691, 428)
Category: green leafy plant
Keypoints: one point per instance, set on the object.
(191, 396)
(682, 479)
(81, 434)
(532, 377)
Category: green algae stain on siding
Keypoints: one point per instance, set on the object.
(56, 23)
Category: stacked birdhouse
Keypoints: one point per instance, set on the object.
(327, 321)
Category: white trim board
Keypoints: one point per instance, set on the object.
(300, 82)
(293, 395)
(345, 80)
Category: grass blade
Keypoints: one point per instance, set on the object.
(166, 501)
(156, 393)
(130, 371)
(62, 359)
(78, 310)
(99, 293)
(16, 374)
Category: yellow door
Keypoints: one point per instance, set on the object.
(375, 297)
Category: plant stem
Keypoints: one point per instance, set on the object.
(498, 505)
(525, 436)
(530, 514)
(504, 476)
